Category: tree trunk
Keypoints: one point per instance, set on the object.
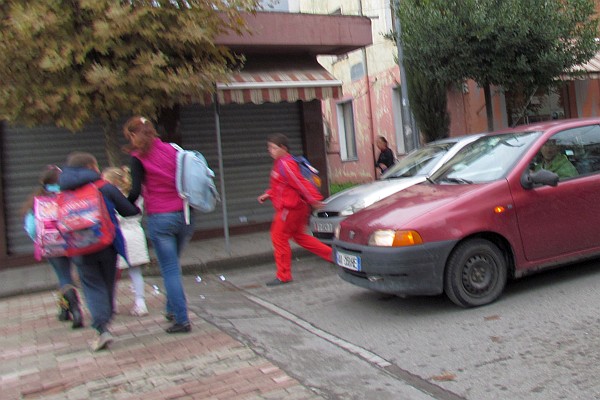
(489, 107)
(111, 143)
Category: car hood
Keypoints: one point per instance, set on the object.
(368, 192)
(400, 209)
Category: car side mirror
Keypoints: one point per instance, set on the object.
(541, 177)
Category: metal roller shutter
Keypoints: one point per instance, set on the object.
(244, 129)
(26, 152)
(246, 162)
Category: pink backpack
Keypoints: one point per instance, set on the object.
(48, 240)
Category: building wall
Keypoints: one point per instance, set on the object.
(587, 97)
(376, 105)
(244, 129)
(369, 77)
(466, 105)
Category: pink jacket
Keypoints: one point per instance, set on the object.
(159, 188)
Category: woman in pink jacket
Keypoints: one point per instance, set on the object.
(153, 165)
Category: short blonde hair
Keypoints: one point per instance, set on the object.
(120, 177)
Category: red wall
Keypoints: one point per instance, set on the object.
(373, 116)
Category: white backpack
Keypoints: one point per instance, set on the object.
(194, 180)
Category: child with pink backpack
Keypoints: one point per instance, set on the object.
(40, 214)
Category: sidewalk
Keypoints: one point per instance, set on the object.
(198, 256)
(42, 358)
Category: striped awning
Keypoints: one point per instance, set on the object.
(278, 81)
(589, 70)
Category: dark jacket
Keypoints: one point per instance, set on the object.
(386, 157)
(73, 177)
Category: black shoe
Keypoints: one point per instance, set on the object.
(277, 282)
(74, 309)
(179, 328)
(63, 307)
(170, 317)
(63, 315)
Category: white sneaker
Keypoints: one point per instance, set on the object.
(139, 310)
(102, 341)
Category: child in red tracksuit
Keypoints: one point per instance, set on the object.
(292, 197)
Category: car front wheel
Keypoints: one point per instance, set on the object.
(475, 273)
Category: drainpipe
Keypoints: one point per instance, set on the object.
(370, 104)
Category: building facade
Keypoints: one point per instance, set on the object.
(371, 105)
(280, 89)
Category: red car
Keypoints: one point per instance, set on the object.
(508, 204)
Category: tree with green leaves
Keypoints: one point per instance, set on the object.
(429, 102)
(525, 44)
(67, 62)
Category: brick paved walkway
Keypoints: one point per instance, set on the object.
(42, 358)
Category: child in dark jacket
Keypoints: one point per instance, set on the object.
(97, 271)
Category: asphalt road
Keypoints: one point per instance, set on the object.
(540, 340)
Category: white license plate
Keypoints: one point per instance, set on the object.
(348, 261)
(325, 227)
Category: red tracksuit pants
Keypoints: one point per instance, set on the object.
(291, 224)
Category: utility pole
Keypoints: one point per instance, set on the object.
(411, 135)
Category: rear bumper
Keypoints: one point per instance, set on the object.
(408, 271)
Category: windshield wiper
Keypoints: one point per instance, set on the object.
(457, 180)
(430, 180)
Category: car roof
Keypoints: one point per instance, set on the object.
(456, 139)
(546, 125)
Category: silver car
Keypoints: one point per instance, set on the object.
(410, 170)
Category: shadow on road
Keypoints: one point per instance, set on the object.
(532, 285)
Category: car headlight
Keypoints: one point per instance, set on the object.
(392, 238)
(359, 205)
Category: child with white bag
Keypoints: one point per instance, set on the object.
(136, 246)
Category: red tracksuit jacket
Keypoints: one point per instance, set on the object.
(288, 188)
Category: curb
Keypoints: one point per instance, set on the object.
(152, 269)
(225, 264)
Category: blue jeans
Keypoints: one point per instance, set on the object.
(169, 234)
(62, 269)
(98, 272)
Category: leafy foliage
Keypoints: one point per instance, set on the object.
(524, 43)
(338, 187)
(65, 62)
(429, 105)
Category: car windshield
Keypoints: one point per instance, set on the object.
(485, 160)
(418, 162)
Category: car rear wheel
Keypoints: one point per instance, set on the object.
(475, 273)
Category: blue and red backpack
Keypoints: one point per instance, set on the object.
(83, 219)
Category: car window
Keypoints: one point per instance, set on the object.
(487, 159)
(418, 162)
(571, 153)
